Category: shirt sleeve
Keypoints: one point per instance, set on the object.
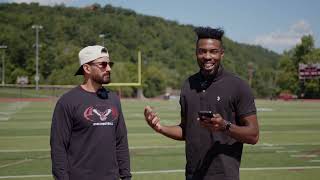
(59, 141)
(245, 101)
(123, 156)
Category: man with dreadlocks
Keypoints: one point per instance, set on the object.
(214, 141)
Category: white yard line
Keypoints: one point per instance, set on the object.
(173, 147)
(155, 134)
(295, 132)
(279, 168)
(157, 147)
(143, 134)
(15, 163)
(286, 144)
(23, 161)
(304, 155)
(4, 113)
(4, 118)
(159, 171)
(17, 106)
(23, 137)
(23, 150)
(47, 136)
(272, 147)
(26, 176)
(264, 109)
(262, 132)
(11, 109)
(289, 151)
(131, 148)
(177, 171)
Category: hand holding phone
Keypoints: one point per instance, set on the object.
(206, 114)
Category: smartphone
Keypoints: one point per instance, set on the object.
(208, 114)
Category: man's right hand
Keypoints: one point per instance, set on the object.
(152, 119)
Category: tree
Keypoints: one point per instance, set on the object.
(305, 47)
(168, 48)
(288, 77)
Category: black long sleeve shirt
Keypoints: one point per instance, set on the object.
(89, 138)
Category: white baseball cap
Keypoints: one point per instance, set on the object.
(91, 53)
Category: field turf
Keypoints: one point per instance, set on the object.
(289, 146)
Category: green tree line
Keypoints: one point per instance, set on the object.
(168, 48)
(287, 78)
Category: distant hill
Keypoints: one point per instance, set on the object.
(167, 47)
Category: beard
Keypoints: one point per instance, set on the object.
(102, 79)
(209, 71)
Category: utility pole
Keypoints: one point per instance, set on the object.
(3, 66)
(37, 78)
(102, 36)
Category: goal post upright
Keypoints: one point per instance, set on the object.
(139, 76)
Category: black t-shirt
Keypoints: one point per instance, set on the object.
(213, 155)
(89, 138)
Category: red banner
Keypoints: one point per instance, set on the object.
(309, 71)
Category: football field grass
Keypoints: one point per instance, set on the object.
(289, 146)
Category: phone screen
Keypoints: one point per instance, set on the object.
(208, 114)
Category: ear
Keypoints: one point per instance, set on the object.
(86, 68)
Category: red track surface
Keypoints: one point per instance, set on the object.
(25, 99)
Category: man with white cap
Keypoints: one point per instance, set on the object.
(88, 132)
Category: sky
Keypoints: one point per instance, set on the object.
(277, 25)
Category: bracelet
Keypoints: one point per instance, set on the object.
(228, 125)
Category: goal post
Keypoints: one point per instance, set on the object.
(71, 86)
(132, 83)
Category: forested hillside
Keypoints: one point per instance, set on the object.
(167, 47)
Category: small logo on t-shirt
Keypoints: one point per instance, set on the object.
(100, 115)
(218, 98)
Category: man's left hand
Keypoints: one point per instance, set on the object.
(216, 123)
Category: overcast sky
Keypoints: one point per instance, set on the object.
(273, 24)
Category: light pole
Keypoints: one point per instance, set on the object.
(3, 67)
(37, 78)
(102, 36)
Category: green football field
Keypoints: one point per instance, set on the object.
(289, 146)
